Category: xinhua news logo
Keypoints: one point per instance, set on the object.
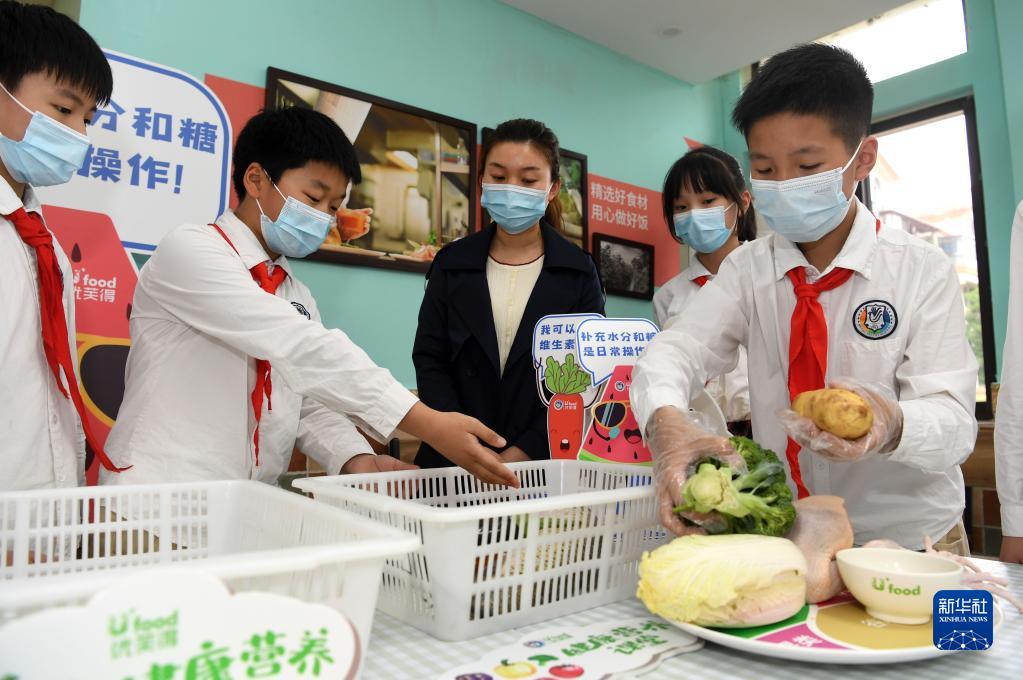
(964, 620)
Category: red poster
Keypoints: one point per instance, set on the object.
(634, 213)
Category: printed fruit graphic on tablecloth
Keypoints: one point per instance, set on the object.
(566, 671)
(614, 435)
(474, 676)
(518, 669)
(565, 410)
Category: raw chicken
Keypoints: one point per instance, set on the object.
(822, 528)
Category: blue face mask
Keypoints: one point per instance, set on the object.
(299, 229)
(514, 208)
(804, 209)
(49, 153)
(703, 229)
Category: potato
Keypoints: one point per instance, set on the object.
(802, 403)
(843, 413)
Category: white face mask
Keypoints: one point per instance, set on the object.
(804, 209)
(299, 229)
(704, 229)
(48, 154)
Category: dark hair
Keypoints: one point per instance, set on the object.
(709, 169)
(289, 138)
(528, 131)
(810, 79)
(37, 39)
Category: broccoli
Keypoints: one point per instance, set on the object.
(755, 502)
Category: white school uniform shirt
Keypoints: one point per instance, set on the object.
(1009, 419)
(729, 390)
(197, 322)
(922, 357)
(41, 440)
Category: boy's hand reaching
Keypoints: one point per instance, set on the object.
(370, 462)
(677, 444)
(884, 435)
(457, 438)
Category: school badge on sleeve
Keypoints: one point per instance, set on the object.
(875, 319)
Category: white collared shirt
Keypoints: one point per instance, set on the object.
(730, 390)
(923, 358)
(1009, 420)
(197, 321)
(41, 437)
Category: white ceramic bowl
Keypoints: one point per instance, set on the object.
(897, 585)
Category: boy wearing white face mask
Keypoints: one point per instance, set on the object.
(707, 207)
(830, 298)
(52, 77)
(230, 367)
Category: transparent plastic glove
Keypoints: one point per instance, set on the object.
(883, 436)
(677, 442)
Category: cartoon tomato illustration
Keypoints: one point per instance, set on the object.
(566, 671)
(517, 669)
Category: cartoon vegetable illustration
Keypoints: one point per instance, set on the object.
(755, 502)
(518, 669)
(566, 671)
(841, 412)
(565, 409)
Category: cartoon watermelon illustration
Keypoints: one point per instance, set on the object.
(614, 435)
(104, 280)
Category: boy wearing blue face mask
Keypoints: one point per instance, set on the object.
(708, 208)
(230, 367)
(52, 77)
(829, 298)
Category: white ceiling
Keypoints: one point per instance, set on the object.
(714, 37)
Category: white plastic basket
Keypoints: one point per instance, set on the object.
(59, 547)
(494, 558)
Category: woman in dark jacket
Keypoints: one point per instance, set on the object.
(473, 349)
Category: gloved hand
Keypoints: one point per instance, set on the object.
(883, 437)
(677, 442)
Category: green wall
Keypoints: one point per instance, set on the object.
(483, 61)
(478, 60)
(1009, 16)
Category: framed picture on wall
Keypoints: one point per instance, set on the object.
(627, 267)
(573, 195)
(417, 172)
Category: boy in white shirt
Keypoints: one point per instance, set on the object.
(53, 77)
(1009, 419)
(230, 366)
(828, 298)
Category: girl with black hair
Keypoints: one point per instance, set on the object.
(708, 208)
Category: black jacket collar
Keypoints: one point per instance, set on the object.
(470, 295)
(472, 251)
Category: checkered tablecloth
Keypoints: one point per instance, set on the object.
(398, 651)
